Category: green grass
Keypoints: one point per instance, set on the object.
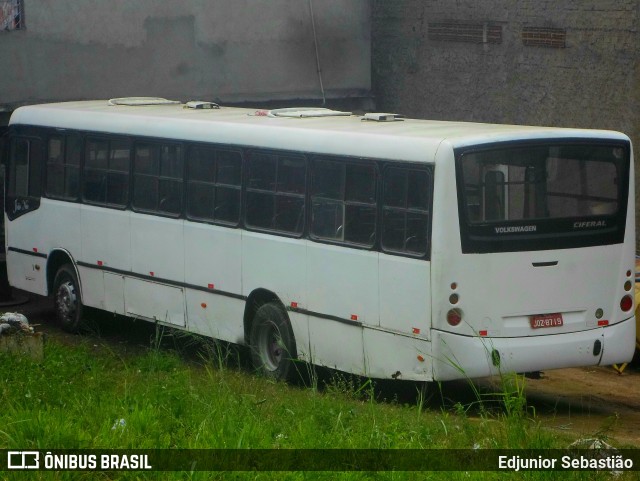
(77, 396)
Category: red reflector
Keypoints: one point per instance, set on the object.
(454, 317)
(210, 286)
(415, 330)
(261, 113)
(420, 358)
(35, 249)
(294, 305)
(626, 303)
(603, 323)
(99, 263)
(354, 317)
(151, 273)
(203, 305)
(482, 333)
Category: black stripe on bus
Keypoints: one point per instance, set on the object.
(28, 253)
(212, 291)
(325, 316)
(162, 280)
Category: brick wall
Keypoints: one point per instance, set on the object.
(569, 63)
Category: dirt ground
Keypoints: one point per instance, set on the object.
(592, 401)
(583, 402)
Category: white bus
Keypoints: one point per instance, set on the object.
(379, 246)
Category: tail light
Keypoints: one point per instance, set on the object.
(626, 303)
(454, 317)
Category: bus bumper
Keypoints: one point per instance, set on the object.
(458, 357)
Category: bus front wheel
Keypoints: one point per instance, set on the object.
(273, 347)
(66, 295)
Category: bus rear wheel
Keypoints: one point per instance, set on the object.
(273, 346)
(66, 295)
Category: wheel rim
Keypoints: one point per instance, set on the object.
(270, 346)
(66, 301)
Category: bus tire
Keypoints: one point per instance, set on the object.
(273, 346)
(66, 297)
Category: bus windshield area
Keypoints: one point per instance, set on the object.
(541, 190)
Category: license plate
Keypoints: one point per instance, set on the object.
(546, 320)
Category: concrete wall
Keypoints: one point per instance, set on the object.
(232, 50)
(592, 82)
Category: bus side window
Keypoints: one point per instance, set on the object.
(343, 204)
(214, 180)
(19, 173)
(405, 211)
(158, 178)
(327, 209)
(276, 192)
(95, 168)
(228, 187)
(63, 166)
(201, 170)
(260, 191)
(360, 204)
(106, 172)
(25, 172)
(170, 181)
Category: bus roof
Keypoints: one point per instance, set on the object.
(406, 139)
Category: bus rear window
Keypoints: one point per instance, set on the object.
(541, 191)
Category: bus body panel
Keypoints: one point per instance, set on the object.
(617, 348)
(276, 264)
(22, 273)
(215, 315)
(342, 293)
(92, 287)
(213, 257)
(106, 239)
(155, 301)
(343, 283)
(337, 345)
(411, 359)
(456, 356)
(405, 295)
(213, 267)
(157, 247)
(498, 295)
(300, 328)
(53, 225)
(114, 293)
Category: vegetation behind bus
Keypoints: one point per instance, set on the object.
(96, 396)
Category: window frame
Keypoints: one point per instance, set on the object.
(345, 161)
(17, 205)
(247, 190)
(214, 149)
(181, 146)
(428, 169)
(64, 135)
(109, 139)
